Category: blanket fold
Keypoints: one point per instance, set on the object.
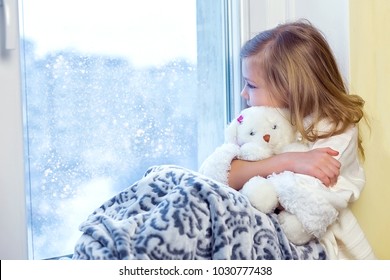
(176, 213)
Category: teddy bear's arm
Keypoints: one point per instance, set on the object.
(217, 165)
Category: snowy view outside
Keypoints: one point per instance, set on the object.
(96, 121)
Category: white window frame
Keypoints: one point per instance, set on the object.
(13, 237)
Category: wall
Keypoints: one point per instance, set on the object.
(370, 78)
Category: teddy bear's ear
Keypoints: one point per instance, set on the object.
(231, 132)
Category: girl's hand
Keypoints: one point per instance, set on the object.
(319, 163)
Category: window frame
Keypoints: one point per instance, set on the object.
(15, 239)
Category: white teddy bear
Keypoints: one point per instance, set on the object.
(260, 132)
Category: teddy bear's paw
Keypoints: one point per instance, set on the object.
(293, 228)
(230, 148)
(261, 194)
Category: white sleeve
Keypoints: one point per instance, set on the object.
(352, 179)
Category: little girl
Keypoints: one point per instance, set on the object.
(292, 66)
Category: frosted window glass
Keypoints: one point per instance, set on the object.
(111, 88)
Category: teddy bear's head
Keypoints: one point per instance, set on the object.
(266, 126)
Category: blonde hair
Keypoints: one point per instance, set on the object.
(302, 73)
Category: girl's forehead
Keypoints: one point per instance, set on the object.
(251, 69)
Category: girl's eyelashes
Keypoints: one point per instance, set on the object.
(250, 85)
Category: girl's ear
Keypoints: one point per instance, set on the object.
(231, 132)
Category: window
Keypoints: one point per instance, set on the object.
(106, 99)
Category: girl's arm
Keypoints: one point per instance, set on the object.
(319, 163)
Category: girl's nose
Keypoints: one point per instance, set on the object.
(244, 94)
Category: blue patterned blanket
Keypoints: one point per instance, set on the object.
(176, 213)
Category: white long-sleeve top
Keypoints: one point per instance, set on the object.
(344, 239)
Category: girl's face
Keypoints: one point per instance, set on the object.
(255, 90)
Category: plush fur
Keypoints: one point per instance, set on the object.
(258, 133)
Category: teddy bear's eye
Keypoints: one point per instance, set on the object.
(275, 126)
(252, 133)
